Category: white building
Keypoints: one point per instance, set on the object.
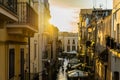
(69, 41)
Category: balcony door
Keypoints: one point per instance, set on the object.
(116, 75)
(11, 63)
(22, 63)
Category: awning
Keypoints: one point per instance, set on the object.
(71, 52)
(77, 65)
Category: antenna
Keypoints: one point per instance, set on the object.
(106, 4)
(106, 14)
(100, 5)
(94, 4)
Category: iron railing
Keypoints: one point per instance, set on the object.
(27, 15)
(10, 5)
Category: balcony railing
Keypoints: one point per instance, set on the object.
(10, 5)
(27, 15)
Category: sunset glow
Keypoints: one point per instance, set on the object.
(64, 19)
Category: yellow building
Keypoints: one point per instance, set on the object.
(115, 59)
(43, 36)
(18, 22)
(98, 26)
(84, 18)
(116, 18)
(49, 55)
(43, 44)
(103, 58)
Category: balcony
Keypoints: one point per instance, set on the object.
(8, 10)
(27, 23)
(103, 56)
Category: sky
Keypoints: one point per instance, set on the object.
(65, 13)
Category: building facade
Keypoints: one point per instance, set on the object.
(97, 54)
(103, 61)
(69, 41)
(44, 45)
(39, 41)
(84, 21)
(103, 30)
(14, 43)
(115, 59)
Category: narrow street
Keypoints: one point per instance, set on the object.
(62, 71)
(60, 39)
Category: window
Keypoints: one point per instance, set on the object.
(22, 63)
(35, 69)
(11, 3)
(27, 60)
(115, 15)
(68, 41)
(116, 75)
(77, 48)
(11, 63)
(73, 48)
(35, 45)
(73, 42)
(118, 33)
(68, 48)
